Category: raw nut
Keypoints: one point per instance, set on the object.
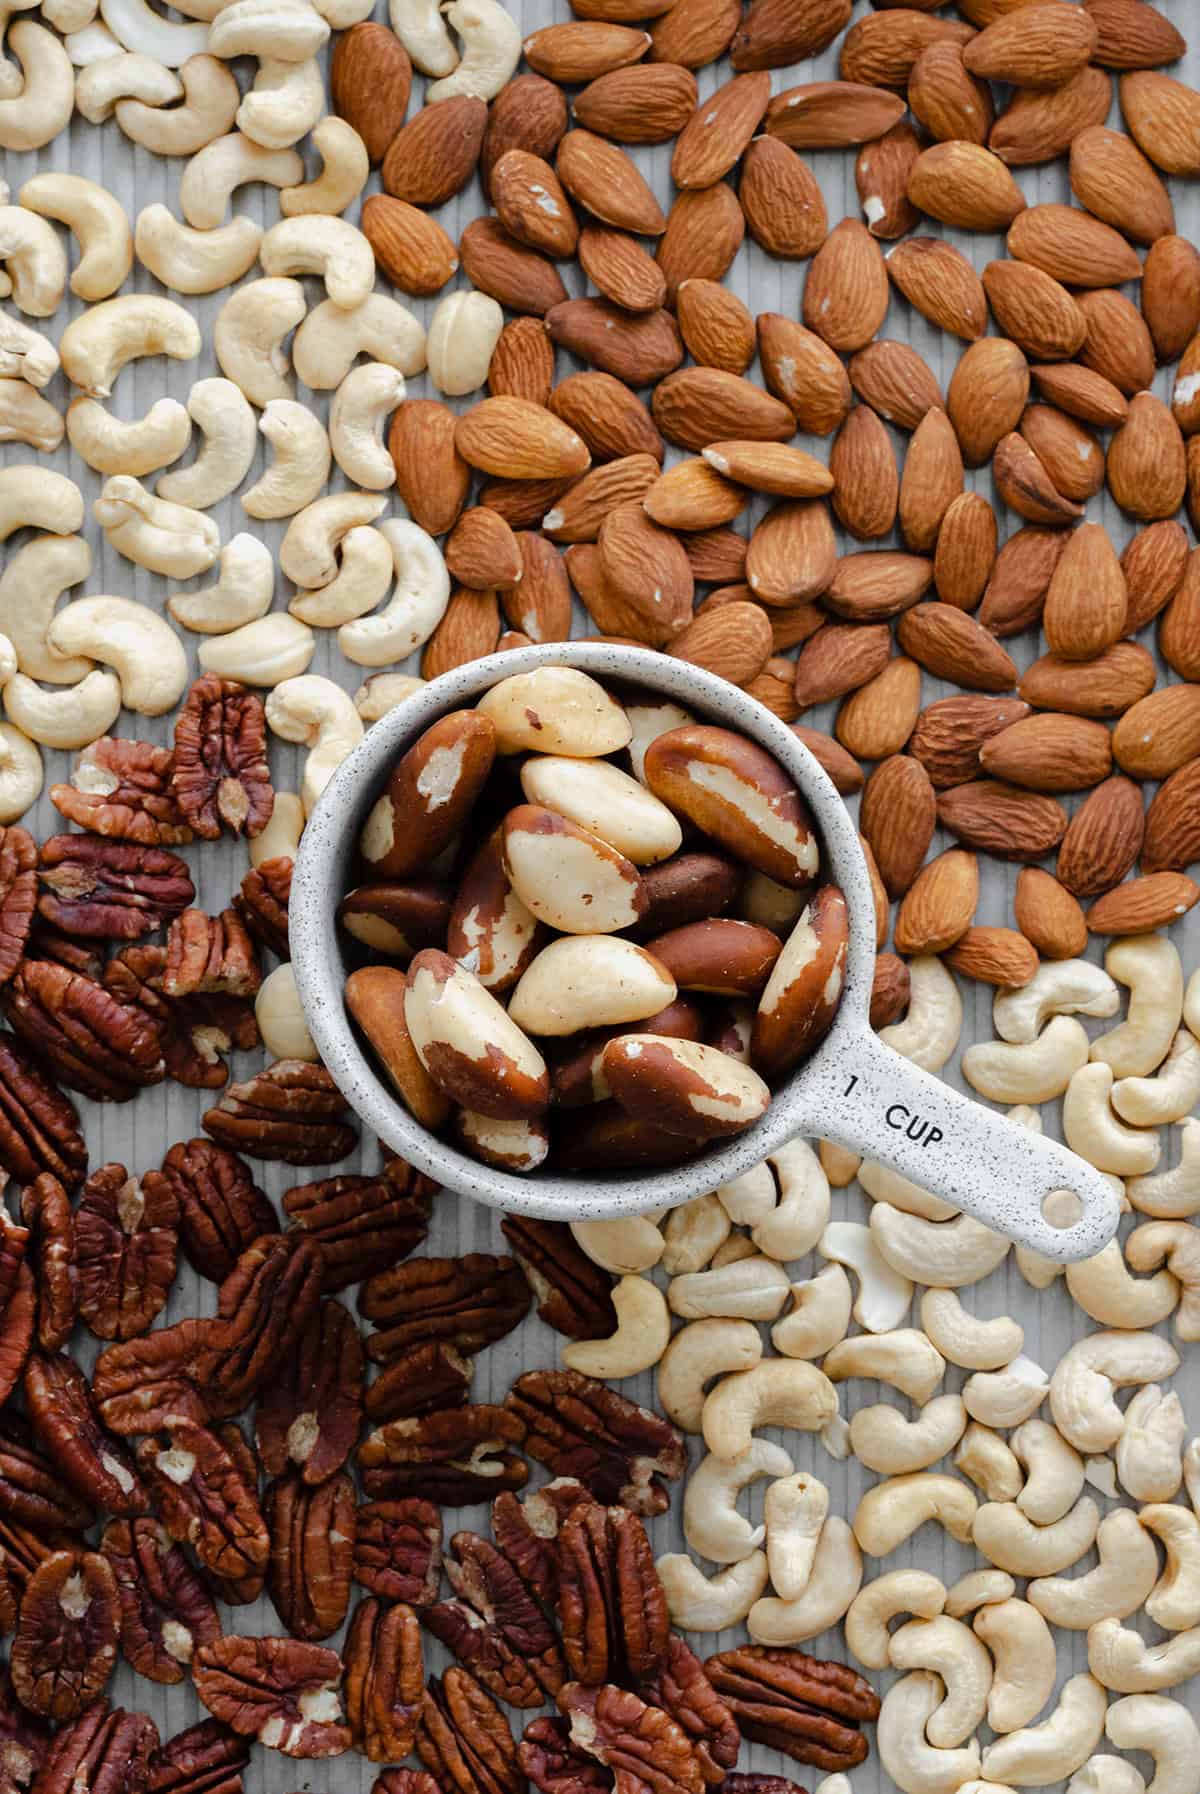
(988, 392)
(1160, 733)
(878, 718)
(1115, 680)
(877, 584)
(697, 406)
(965, 555)
(647, 103)
(1163, 118)
(522, 364)
(965, 185)
(1023, 482)
(734, 641)
(802, 371)
(616, 263)
(590, 981)
(1086, 601)
(1049, 753)
(693, 495)
(1070, 453)
(737, 794)
(896, 382)
(1040, 49)
(1048, 915)
(1039, 124)
(1147, 471)
(431, 476)
(897, 816)
(1118, 343)
(1111, 177)
(1035, 310)
(612, 421)
(529, 113)
(705, 229)
(605, 181)
(1179, 631)
(840, 657)
(410, 247)
(782, 202)
(1074, 247)
(772, 34)
(1081, 392)
(833, 114)
(932, 478)
(940, 283)
(719, 130)
(792, 554)
(1128, 41)
(1143, 904)
(993, 817)
(1104, 839)
(993, 956)
(555, 710)
(429, 793)
(579, 514)
(1170, 296)
(637, 348)
(866, 479)
(881, 172)
(773, 467)
(846, 290)
(1171, 823)
(938, 907)
(370, 79)
(646, 569)
(797, 1008)
(468, 1045)
(433, 156)
(469, 629)
(509, 272)
(567, 876)
(583, 49)
(948, 100)
(691, 1089)
(715, 325)
(521, 441)
(951, 644)
(950, 733)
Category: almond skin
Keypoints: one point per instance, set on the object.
(1115, 182)
(1034, 310)
(987, 394)
(1160, 733)
(792, 553)
(1071, 454)
(1171, 295)
(715, 325)
(965, 185)
(966, 551)
(582, 50)
(1143, 904)
(719, 130)
(605, 181)
(1172, 839)
(469, 629)
(1048, 915)
(881, 48)
(531, 204)
(733, 641)
(1179, 631)
(645, 567)
(775, 33)
(1072, 246)
(950, 644)
(1082, 393)
(846, 291)
(617, 264)
(896, 382)
(881, 171)
(877, 719)
(481, 551)
(370, 79)
(1041, 123)
(1129, 39)
(695, 32)
(697, 406)
(1147, 462)
(897, 816)
(877, 584)
(1118, 344)
(949, 101)
(832, 114)
(1163, 118)
(509, 271)
(930, 481)
(1113, 681)
(1154, 563)
(431, 476)
(611, 420)
(1086, 601)
(781, 200)
(866, 478)
(518, 440)
(705, 228)
(411, 248)
(1049, 752)
(530, 113)
(1001, 819)
(1037, 47)
(939, 281)
(803, 372)
(647, 103)
(950, 733)
(635, 348)
(522, 364)
(1016, 592)
(540, 604)
(579, 513)
(1104, 839)
(938, 908)
(693, 495)
(993, 956)
(433, 156)
(1024, 483)
(839, 658)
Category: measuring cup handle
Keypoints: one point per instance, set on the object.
(871, 1100)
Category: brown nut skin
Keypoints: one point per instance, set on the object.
(39, 1126)
(578, 1077)
(797, 1007)
(684, 1086)
(126, 1240)
(204, 1500)
(808, 1708)
(375, 998)
(468, 1044)
(66, 1644)
(258, 1685)
(689, 887)
(617, 1728)
(735, 792)
(397, 919)
(471, 1302)
(517, 1146)
(723, 956)
(607, 1138)
(108, 1752)
(385, 1680)
(312, 1552)
(454, 1457)
(65, 1425)
(206, 1758)
(429, 794)
(581, 1428)
(362, 1224)
(489, 920)
(309, 1412)
(167, 1610)
(398, 1550)
(567, 876)
(221, 1208)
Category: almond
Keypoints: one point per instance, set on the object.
(612, 615)
(1023, 482)
(578, 514)
(704, 232)
(896, 382)
(695, 32)
(950, 644)
(469, 629)
(718, 131)
(1048, 916)
(583, 49)
(1037, 46)
(781, 201)
(1105, 686)
(950, 733)
(832, 114)
(520, 441)
(803, 372)
(604, 180)
(514, 275)
(617, 264)
(1104, 839)
(846, 290)
(966, 551)
(1016, 591)
(988, 391)
(775, 33)
(1163, 117)
(1071, 454)
(965, 185)
(1147, 462)
(521, 503)
(611, 420)
(1001, 819)
(733, 641)
(620, 12)
(881, 47)
(540, 604)
(693, 495)
(645, 567)
(878, 583)
(1086, 601)
(1127, 38)
(792, 553)
(1073, 247)
(1142, 904)
(866, 479)
(1112, 178)
(932, 478)
(716, 556)
(949, 101)
(1171, 294)
(1160, 733)
(410, 247)
(897, 816)
(531, 204)
(431, 476)
(770, 467)
(370, 79)
(530, 113)
(793, 625)
(891, 991)
(839, 658)
(993, 956)
(1173, 823)
(647, 103)
(940, 283)
(1118, 344)
(838, 766)
(700, 405)
(1185, 393)
(1049, 752)
(636, 348)
(715, 325)
(1082, 393)
(1179, 631)
(877, 719)
(773, 687)
(1039, 124)
(522, 364)
(1034, 309)
(938, 908)
(1153, 564)
(881, 171)
(481, 551)
(433, 156)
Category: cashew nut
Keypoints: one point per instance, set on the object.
(313, 710)
(1149, 1451)
(280, 1016)
(700, 1603)
(111, 445)
(30, 587)
(1008, 1072)
(932, 1024)
(776, 1392)
(1004, 1398)
(99, 85)
(210, 102)
(904, 1358)
(422, 30)
(885, 1185)
(42, 107)
(882, 1439)
(819, 1316)
(1175, 1194)
(951, 1650)
(416, 606)
(326, 246)
(895, 1592)
(1013, 1543)
(1106, 1775)
(364, 574)
(987, 1460)
(284, 104)
(692, 1233)
(1055, 1749)
(244, 590)
(884, 1295)
(1121, 1659)
(491, 49)
(307, 554)
(358, 416)
(1174, 1602)
(1150, 965)
(25, 416)
(21, 776)
(794, 1512)
(286, 30)
(248, 337)
(25, 354)
(280, 839)
(264, 652)
(712, 1525)
(1054, 1473)
(98, 344)
(226, 420)
(966, 1340)
(1081, 1388)
(1166, 1732)
(697, 1353)
(137, 27)
(8, 661)
(70, 716)
(301, 466)
(463, 332)
(1177, 1245)
(754, 1289)
(643, 1324)
(344, 171)
(1170, 1095)
(383, 692)
(33, 497)
(214, 174)
(98, 222)
(1093, 1131)
(978, 1588)
(166, 538)
(1058, 987)
(1104, 1290)
(195, 261)
(945, 1254)
(331, 339)
(34, 259)
(835, 1580)
(1118, 1586)
(93, 42)
(893, 1510)
(1022, 1649)
(915, 1765)
(624, 1245)
(139, 645)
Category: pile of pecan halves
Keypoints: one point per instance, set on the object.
(131, 1512)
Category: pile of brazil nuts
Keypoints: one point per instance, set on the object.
(583, 909)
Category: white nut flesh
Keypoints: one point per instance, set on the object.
(712, 1523)
(640, 1339)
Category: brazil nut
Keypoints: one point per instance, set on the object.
(555, 710)
(518, 1144)
(587, 981)
(577, 1075)
(683, 1085)
(568, 877)
(737, 794)
(397, 918)
(606, 801)
(375, 998)
(689, 887)
(467, 1043)
(429, 794)
(723, 955)
(796, 1010)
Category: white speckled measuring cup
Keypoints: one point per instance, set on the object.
(854, 1090)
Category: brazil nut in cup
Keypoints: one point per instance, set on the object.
(521, 932)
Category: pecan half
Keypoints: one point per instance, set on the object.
(66, 1426)
(203, 1500)
(752, 1783)
(464, 1740)
(195, 1032)
(364, 1224)
(205, 1759)
(239, 1591)
(39, 1126)
(420, 1381)
(87, 1038)
(496, 1627)
(398, 1550)
(579, 1427)
(262, 903)
(46, 1211)
(99, 890)
(310, 1410)
(16, 1330)
(263, 1308)
(32, 1492)
(553, 1764)
(166, 1608)
(574, 1295)
(681, 1688)
(125, 1250)
(804, 1706)
(405, 1781)
(221, 1208)
(210, 955)
(279, 1690)
(385, 1680)
(611, 1603)
(102, 1752)
(292, 1112)
(51, 943)
(24, 1739)
(18, 896)
(22, 1551)
(312, 1553)
(527, 1532)
(67, 1631)
(470, 1302)
(221, 772)
(645, 1749)
(14, 1240)
(454, 1457)
(143, 1383)
(122, 789)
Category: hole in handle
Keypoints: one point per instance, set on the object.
(1062, 1209)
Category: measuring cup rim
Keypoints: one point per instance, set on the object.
(323, 872)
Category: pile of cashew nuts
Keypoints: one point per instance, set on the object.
(1027, 1469)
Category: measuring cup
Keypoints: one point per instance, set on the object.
(854, 1090)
